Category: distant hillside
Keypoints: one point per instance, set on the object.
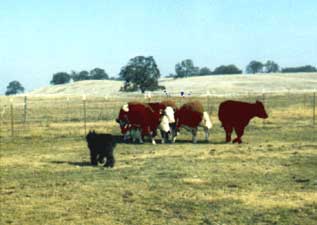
(215, 85)
(87, 87)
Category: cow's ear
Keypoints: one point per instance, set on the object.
(117, 120)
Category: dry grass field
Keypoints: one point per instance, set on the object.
(46, 178)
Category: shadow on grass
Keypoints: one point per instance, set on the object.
(82, 164)
(182, 141)
(119, 140)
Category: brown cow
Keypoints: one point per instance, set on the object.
(144, 119)
(190, 116)
(136, 115)
(237, 115)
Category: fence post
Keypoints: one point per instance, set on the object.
(67, 109)
(314, 109)
(263, 99)
(25, 108)
(85, 119)
(12, 118)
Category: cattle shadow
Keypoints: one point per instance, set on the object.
(202, 142)
(119, 140)
(81, 164)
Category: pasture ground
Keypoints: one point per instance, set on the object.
(270, 179)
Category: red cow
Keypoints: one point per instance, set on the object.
(138, 115)
(237, 115)
(161, 106)
(190, 116)
(167, 120)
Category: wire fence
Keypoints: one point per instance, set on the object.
(42, 116)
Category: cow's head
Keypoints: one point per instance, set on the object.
(164, 124)
(169, 113)
(260, 110)
(122, 119)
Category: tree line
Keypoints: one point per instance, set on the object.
(64, 77)
(142, 73)
(186, 68)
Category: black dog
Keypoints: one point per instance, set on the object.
(101, 146)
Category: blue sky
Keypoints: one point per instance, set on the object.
(39, 38)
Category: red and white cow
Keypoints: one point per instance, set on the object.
(135, 115)
(167, 121)
(191, 116)
(136, 118)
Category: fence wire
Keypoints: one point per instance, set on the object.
(42, 116)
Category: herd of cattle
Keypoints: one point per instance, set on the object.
(138, 120)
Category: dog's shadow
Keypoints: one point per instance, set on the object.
(81, 164)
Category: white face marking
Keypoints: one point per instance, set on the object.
(169, 112)
(206, 122)
(125, 108)
(164, 125)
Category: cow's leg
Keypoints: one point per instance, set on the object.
(194, 133)
(239, 132)
(140, 136)
(174, 139)
(153, 141)
(164, 136)
(206, 130)
(152, 135)
(174, 131)
(126, 136)
(228, 130)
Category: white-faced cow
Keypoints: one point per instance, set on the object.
(191, 116)
(136, 118)
(135, 115)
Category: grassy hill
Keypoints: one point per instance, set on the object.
(215, 85)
